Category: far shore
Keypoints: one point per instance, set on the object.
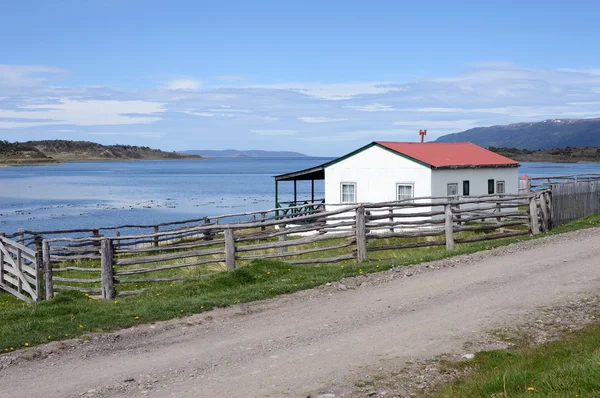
(46, 162)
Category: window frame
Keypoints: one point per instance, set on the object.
(492, 185)
(342, 191)
(448, 186)
(412, 191)
(466, 183)
(503, 187)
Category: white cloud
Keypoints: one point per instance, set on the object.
(66, 131)
(27, 75)
(82, 113)
(588, 71)
(373, 135)
(320, 119)
(184, 83)
(135, 134)
(372, 108)
(274, 132)
(336, 91)
(221, 112)
(269, 118)
(229, 109)
(203, 114)
(461, 124)
(21, 125)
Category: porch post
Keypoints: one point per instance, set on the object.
(276, 197)
(312, 191)
(295, 194)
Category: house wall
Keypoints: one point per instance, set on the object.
(376, 171)
(478, 180)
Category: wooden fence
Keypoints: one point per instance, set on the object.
(19, 270)
(110, 266)
(574, 200)
(546, 182)
(162, 231)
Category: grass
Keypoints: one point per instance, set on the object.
(73, 314)
(569, 367)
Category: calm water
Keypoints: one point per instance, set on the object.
(79, 195)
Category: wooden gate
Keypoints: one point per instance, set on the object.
(19, 270)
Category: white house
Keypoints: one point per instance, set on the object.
(390, 171)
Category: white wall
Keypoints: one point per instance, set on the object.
(478, 180)
(376, 172)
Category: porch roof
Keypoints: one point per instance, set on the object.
(313, 173)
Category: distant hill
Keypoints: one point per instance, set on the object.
(52, 151)
(553, 133)
(568, 154)
(233, 153)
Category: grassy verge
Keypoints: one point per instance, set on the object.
(569, 367)
(73, 314)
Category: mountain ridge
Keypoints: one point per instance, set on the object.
(546, 134)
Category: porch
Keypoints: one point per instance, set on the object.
(298, 205)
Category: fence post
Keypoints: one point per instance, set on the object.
(19, 261)
(263, 215)
(283, 238)
(21, 238)
(498, 210)
(156, 230)
(391, 219)
(108, 281)
(545, 213)
(96, 234)
(1, 260)
(449, 225)
(550, 209)
(47, 266)
(229, 249)
(39, 265)
(361, 235)
(524, 185)
(208, 234)
(533, 216)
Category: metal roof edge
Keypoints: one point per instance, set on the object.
(478, 166)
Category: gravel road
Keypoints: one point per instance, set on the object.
(307, 343)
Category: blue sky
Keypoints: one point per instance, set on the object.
(320, 77)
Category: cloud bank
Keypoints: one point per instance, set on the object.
(316, 118)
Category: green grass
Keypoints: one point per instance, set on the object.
(73, 314)
(569, 367)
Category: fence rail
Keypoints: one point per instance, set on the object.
(109, 266)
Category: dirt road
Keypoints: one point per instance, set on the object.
(307, 343)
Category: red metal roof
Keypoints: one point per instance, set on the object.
(450, 154)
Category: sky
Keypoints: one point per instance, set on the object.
(318, 77)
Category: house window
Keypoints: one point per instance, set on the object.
(452, 189)
(405, 191)
(500, 187)
(466, 188)
(491, 186)
(348, 192)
